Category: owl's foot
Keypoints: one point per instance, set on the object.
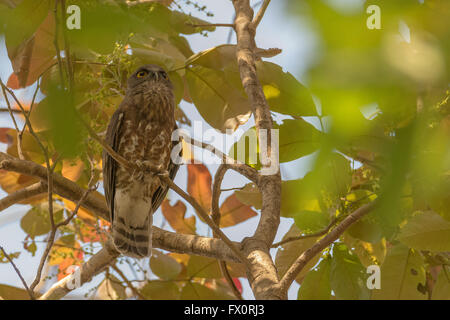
(147, 168)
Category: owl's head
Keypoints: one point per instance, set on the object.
(148, 74)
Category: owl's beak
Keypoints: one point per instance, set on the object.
(155, 76)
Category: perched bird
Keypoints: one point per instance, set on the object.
(140, 131)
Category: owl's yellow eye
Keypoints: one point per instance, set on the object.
(141, 74)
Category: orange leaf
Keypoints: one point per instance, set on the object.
(12, 181)
(90, 234)
(175, 216)
(7, 135)
(72, 169)
(233, 212)
(199, 184)
(64, 257)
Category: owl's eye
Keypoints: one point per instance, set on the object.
(142, 74)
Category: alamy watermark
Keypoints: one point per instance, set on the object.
(250, 147)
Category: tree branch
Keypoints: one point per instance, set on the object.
(23, 194)
(96, 264)
(260, 14)
(262, 274)
(321, 244)
(215, 215)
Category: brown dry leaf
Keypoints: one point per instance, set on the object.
(199, 184)
(233, 212)
(175, 216)
(72, 169)
(34, 56)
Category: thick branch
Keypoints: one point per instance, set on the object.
(96, 264)
(262, 274)
(307, 255)
(23, 194)
(61, 186)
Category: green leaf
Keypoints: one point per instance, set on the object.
(13, 293)
(290, 251)
(215, 58)
(66, 131)
(37, 221)
(426, 231)
(250, 195)
(33, 12)
(296, 195)
(203, 267)
(283, 92)
(164, 266)
(161, 290)
(182, 22)
(316, 285)
(197, 291)
(12, 255)
(401, 273)
(220, 103)
(348, 275)
(311, 221)
(298, 138)
(366, 229)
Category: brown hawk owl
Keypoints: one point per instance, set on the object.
(140, 131)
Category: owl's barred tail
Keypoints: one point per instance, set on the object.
(131, 241)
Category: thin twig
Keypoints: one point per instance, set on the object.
(19, 137)
(121, 160)
(55, 227)
(30, 292)
(129, 284)
(206, 25)
(260, 14)
(306, 236)
(218, 178)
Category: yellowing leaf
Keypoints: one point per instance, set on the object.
(250, 196)
(161, 290)
(426, 231)
(348, 275)
(290, 251)
(401, 273)
(164, 266)
(72, 169)
(316, 285)
(218, 97)
(233, 211)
